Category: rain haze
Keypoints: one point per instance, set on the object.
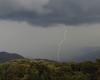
(34, 28)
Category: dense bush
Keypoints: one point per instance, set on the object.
(49, 70)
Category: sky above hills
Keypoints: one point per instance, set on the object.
(34, 28)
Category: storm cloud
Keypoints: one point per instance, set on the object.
(46, 12)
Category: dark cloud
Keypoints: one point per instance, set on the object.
(46, 12)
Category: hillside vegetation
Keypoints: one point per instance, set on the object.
(25, 69)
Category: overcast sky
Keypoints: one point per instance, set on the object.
(34, 28)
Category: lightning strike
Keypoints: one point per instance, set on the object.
(61, 43)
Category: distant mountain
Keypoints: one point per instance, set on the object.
(89, 54)
(5, 56)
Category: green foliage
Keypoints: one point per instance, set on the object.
(26, 69)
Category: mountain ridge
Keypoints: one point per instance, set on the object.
(6, 56)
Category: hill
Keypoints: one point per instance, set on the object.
(5, 56)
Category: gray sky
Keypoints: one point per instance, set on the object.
(39, 42)
(34, 28)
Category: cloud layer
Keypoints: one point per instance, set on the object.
(44, 12)
(10, 6)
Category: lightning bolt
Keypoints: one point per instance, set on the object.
(60, 44)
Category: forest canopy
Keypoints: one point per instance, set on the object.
(26, 69)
